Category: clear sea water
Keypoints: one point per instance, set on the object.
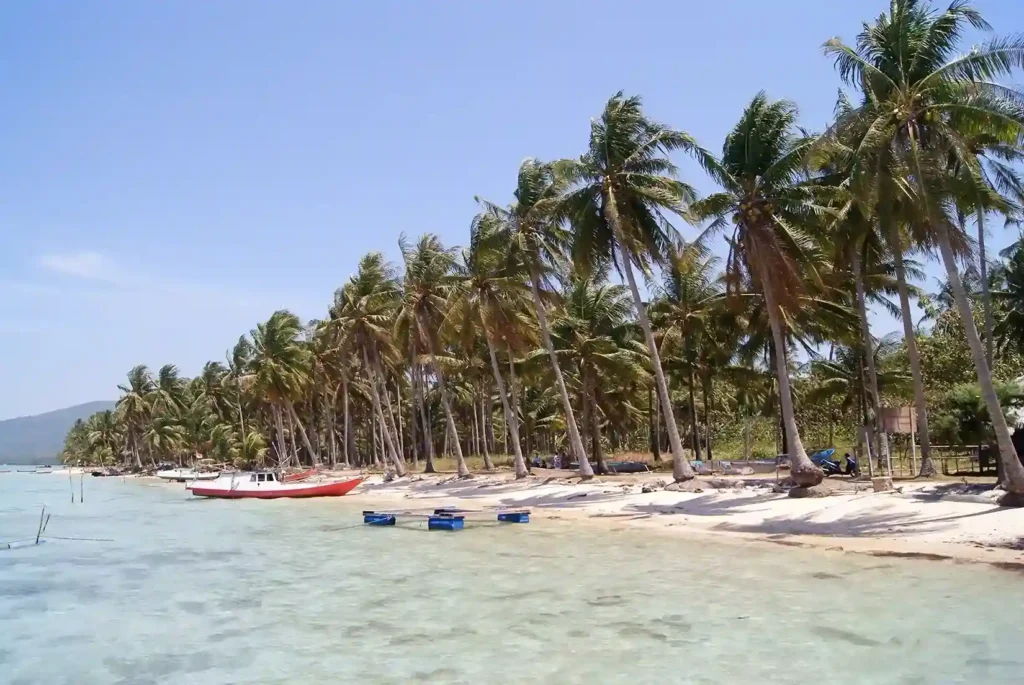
(193, 591)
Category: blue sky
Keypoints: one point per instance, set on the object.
(171, 173)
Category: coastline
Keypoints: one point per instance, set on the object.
(922, 520)
(925, 521)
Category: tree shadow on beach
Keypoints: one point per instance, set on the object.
(869, 524)
(707, 505)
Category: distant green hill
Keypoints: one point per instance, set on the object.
(37, 439)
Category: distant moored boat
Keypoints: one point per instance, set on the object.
(186, 475)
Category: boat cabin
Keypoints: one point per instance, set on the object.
(267, 476)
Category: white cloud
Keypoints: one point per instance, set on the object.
(114, 280)
(83, 264)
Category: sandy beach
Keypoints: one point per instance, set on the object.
(939, 521)
(927, 520)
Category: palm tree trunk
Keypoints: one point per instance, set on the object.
(389, 415)
(428, 437)
(332, 417)
(519, 463)
(302, 433)
(652, 413)
(446, 403)
(986, 295)
(398, 414)
(803, 472)
(585, 470)
(293, 441)
(488, 464)
(490, 424)
(657, 426)
(595, 431)
(694, 433)
(869, 356)
(135, 449)
(241, 417)
(282, 445)
(473, 441)
(1013, 470)
(705, 382)
(413, 437)
(513, 397)
(375, 394)
(348, 424)
(920, 402)
(585, 411)
(681, 469)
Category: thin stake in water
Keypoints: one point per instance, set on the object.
(41, 515)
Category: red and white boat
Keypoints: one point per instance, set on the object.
(266, 485)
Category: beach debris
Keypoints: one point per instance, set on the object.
(881, 484)
(654, 486)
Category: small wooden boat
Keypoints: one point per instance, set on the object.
(302, 475)
(187, 475)
(266, 485)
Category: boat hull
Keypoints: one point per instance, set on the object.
(275, 491)
(292, 477)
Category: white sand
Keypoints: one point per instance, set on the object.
(924, 520)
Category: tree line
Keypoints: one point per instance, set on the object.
(522, 339)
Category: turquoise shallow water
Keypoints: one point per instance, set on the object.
(196, 592)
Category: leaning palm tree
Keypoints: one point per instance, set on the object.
(622, 187)
(923, 107)
(492, 293)
(537, 239)
(428, 283)
(767, 198)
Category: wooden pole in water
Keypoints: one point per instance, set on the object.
(81, 487)
(71, 482)
(41, 515)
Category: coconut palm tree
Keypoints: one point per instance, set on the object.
(278, 366)
(169, 391)
(492, 293)
(768, 198)
(621, 189)
(923, 106)
(537, 239)
(104, 436)
(365, 309)
(134, 406)
(687, 303)
(428, 283)
(594, 333)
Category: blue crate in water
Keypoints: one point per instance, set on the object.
(445, 523)
(514, 517)
(378, 519)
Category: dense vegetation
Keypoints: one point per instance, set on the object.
(523, 343)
